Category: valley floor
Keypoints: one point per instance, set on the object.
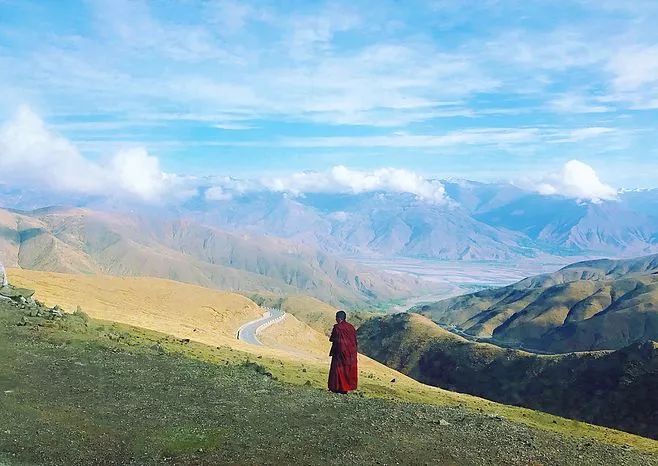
(79, 391)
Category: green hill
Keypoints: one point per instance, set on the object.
(79, 391)
(592, 305)
(613, 388)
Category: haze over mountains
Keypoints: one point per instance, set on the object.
(467, 221)
(475, 221)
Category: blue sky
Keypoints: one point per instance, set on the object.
(488, 90)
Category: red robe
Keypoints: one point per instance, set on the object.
(344, 373)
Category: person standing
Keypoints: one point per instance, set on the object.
(344, 372)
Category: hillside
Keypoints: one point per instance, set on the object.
(591, 305)
(179, 309)
(616, 389)
(141, 397)
(317, 314)
(87, 241)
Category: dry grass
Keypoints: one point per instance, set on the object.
(185, 311)
(296, 337)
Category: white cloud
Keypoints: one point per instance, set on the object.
(577, 180)
(573, 103)
(218, 193)
(635, 76)
(313, 34)
(635, 67)
(139, 173)
(31, 154)
(581, 134)
(231, 16)
(557, 50)
(343, 179)
(486, 136)
(133, 25)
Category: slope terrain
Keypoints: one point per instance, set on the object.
(616, 388)
(591, 305)
(317, 314)
(142, 397)
(86, 241)
(178, 309)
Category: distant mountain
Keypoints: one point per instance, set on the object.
(556, 224)
(475, 221)
(370, 224)
(478, 221)
(615, 388)
(87, 241)
(591, 305)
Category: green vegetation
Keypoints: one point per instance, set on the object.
(617, 389)
(592, 305)
(78, 391)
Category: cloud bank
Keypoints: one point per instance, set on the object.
(343, 179)
(31, 154)
(576, 180)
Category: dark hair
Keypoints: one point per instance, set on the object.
(341, 315)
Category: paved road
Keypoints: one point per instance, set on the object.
(249, 331)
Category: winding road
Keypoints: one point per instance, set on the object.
(249, 331)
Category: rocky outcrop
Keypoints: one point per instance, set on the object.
(15, 293)
(3, 276)
(23, 298)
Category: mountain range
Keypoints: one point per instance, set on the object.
(81, 240)
(478, 221)
(474, 221)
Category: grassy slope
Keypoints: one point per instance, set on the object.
(296, 337)
(581, 385)
(186, 311)
(375, 378)
(575, 316)
(586, 306)
(78, 391)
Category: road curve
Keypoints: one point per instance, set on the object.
(249, 331)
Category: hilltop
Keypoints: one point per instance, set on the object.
(591, 305)
(613, 388)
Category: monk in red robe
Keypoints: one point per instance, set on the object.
(344, 373)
